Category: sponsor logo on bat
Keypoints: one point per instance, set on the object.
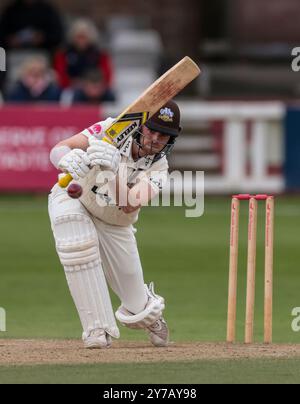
(126, 125)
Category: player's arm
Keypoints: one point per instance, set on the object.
(79, 141)
(79, 153)
(70, 156)
(137, 196)
(82, 140)
(132, 199)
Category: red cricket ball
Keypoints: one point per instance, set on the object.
(74, 191)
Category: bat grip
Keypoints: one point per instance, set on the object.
(107, 140)
(65, 180)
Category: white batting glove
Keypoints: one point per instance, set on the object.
(104, 154)
(76, 163)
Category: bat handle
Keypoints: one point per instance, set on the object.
(65, 180)
(107, 140)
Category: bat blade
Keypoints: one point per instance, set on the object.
(151, 100)
(147, 104)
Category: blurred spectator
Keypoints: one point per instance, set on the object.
(30, 24)
(2, 80)
(35, 84)
(81, 55)
(93, 90)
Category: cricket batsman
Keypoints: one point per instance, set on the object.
(94, 234)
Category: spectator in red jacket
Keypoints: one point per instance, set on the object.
(81, 55)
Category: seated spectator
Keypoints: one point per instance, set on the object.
(36, 83)
(93, 90)
(30, 24)
(82, 54)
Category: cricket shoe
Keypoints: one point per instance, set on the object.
(96, 339)
(159, 333)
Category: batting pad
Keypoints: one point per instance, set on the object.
(151, 313)
(78, 250)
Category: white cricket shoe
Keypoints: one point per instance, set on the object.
(159, 333)
(97, 339)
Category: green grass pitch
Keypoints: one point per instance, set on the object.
(187, 258)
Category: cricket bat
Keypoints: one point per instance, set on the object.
(147, 104)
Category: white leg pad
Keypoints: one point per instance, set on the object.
(147, 317)
(78, 250)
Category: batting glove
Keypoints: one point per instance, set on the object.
(76, 163)
(104, 154)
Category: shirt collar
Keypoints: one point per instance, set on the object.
(126, 151)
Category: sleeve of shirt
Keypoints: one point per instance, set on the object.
(97, 129)
(94, 131)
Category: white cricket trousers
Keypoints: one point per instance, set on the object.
(119, 257)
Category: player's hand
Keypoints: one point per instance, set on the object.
(76, 163)
(104, 154)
